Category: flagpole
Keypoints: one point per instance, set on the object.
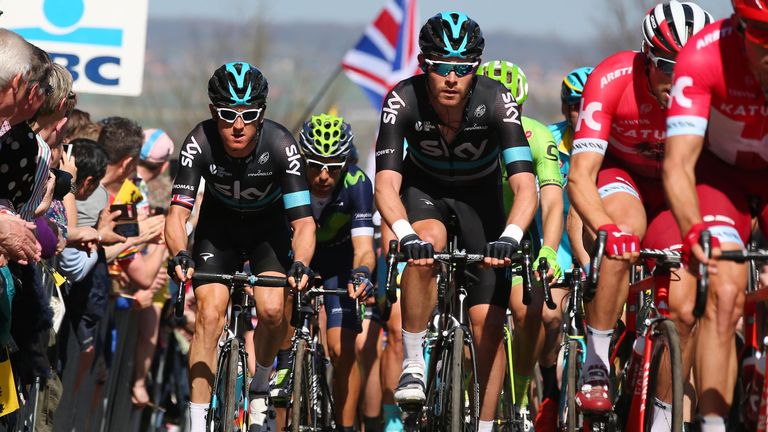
(312, 104)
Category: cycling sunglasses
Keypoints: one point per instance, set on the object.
(230, 116)
(331, 167)
(666, 66)
(444, 68)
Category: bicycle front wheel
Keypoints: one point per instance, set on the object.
(223, 408)
(665, 381)
(573, 366)
(230, 400)
(298, 401)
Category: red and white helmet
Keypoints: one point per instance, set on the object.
(755, 10)
(667, 27)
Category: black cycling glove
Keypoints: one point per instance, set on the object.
(415, 248)
(297, 270)
(502, 248)
(361, 276)
(182, 259)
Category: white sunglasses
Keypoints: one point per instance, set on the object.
(230, 116)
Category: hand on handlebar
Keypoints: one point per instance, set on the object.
(555, 272)
(499, 253)
(360, 285)
(619, 244)
(181, 267)
(417, 251)
(692, 253)
(301, 273)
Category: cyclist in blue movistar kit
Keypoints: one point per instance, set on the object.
(342, 206)
(256, 194)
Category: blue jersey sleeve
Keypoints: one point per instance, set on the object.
(360, 191)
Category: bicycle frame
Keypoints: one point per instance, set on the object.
(574, 330)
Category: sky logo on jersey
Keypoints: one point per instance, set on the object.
(293, 160)
(389, 111)
(100, 42)
(512, 114)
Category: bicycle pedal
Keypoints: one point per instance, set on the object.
(410, 408)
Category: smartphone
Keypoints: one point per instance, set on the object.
(67, 148)
(126, 224)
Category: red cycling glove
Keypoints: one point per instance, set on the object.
(619, 242)
(692, 238)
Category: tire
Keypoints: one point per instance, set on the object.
(666, 347)
(506, 413)
(298, 406)
(571, 379)
(457, 381)
(325, 397)
(432, 416)
(230, 402)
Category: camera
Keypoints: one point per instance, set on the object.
(63, 183)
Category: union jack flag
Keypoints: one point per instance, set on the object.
(388, 51)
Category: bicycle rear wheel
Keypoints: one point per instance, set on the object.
(299, 403)
(666, 361)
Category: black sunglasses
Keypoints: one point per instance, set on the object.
(666, 66)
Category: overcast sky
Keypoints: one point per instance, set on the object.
(574, 20)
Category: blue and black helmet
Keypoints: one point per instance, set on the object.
(573, 85)
(451, 34)
(237, 84)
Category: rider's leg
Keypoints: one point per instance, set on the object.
(626, 210)
(487, 331)
(553, 325)
(628, 213)
(212, 300)
(715, 356)
(528, 336)
(552, 321)
(391, 367)
(368, 352)
(270, 331)
(342, 333)
(715, 362)
(418, 297)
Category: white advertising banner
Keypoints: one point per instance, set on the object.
(101, 42)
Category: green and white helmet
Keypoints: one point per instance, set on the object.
(327, 136)
(509, 74)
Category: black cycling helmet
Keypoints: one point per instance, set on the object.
(237, 84)
(451, 34)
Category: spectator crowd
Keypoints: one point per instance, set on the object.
(79, 238)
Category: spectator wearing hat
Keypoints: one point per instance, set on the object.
(153, 161)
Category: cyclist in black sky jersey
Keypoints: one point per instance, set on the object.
(457, 127)
(255, 195)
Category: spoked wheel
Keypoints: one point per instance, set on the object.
(569, 417)
(666, 375)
